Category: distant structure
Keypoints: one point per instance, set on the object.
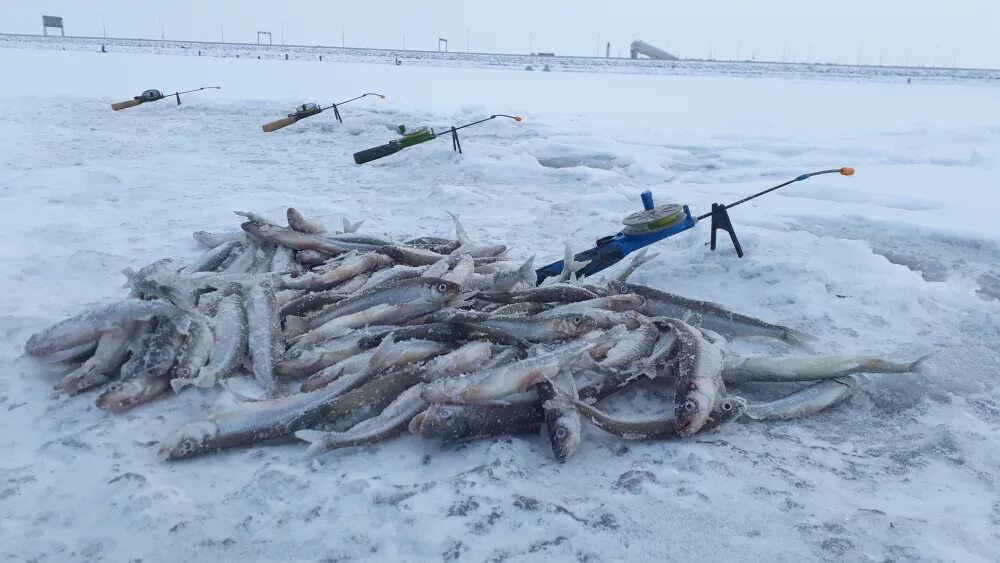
(263, 34)
(53, 22)
(607, 53)
(440, 41)
(639, 47)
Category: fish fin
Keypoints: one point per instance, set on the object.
(799, 339)
(239, 396)
(527, 271)
(920, 364)
(295, 326)
(460, 234)
(351, 227)
(692, 318)
(378, 354)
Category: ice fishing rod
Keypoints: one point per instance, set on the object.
(155, 95)
(655, 223)
(417, 136)
(309, 110)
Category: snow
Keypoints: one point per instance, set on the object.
(897, 260)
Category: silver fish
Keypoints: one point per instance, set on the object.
(345, 271)
(532, 329)
(390, 422)
(311, 257)
(284, 262)
(811, 368)
(194, 354)
(306, 361)
(210, 259)
(488, 385)
(264, 338)
(633, 347)
(343, 376)
(454, 423)
(379, 314)
(244, 261)
(558, 293)
(89, 325)
(392, 275)
(425, 289)
(410, 256)
(112, 349)
(248, 424)
(562, 421)
(810, 400)
(726, 410)
(505, 280)
(151, 377)
(303, 241)
(715, 317)
(213, 240)
(461, 360)
(229, 337)
(256, 219)
(299, 223)
(699, 366)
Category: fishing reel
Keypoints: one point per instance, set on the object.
(305, 110)
(418, 135)
(150, 96)
(651, 220)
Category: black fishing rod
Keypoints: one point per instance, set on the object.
(657, 222)
(844, 171)
(155, 95)
(417, 136)
(309, 110)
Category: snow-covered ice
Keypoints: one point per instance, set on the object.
(900, 259)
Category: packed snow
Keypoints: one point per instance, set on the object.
(899, 260)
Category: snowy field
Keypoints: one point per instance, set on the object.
(901, 259)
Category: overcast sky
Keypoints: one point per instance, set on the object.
(915, 32)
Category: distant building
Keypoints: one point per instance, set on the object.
(642, 48)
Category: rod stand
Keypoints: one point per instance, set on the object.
(456, 145)
(178, 95)
(720, 220)
(336, 113)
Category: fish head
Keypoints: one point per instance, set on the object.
(444, 422)
(692, 409)
(442, 291)
(728, 409)
(573, 326)
(122, 395)
(620, 288)
(565, 435)
(192, 439)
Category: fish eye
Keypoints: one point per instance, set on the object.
(727, 406)
(577, 320)
(115, 387)
(623, 289)
(445, 414)
(689, 406)
(442, 287)
(187, 446)
(561, 433)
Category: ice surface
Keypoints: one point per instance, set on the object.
(897, 260)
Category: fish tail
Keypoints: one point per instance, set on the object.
(919, 365)
(178, 384)
(317, 441)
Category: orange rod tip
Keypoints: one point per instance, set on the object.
(381, 96)
(517, 118)
(847, 171)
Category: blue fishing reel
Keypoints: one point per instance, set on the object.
(642, 228)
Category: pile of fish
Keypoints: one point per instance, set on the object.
(353, 338)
